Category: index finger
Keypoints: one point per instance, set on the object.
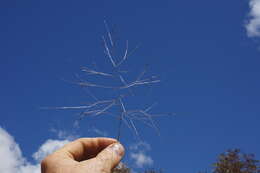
(85, 148)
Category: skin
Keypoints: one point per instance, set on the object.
(85, 155)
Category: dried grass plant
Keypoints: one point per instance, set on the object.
(103, 106)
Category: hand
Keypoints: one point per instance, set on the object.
(85, 155)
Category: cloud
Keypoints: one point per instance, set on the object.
(47, 148)
(98, 132)
(140, 146)
(253, 23)
(139, 154)
(63, 134)
(11, 153)
(12, 160)
(141, 159)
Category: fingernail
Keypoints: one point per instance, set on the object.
(117, 148)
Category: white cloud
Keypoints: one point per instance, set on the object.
(141, 159)
(99, 132)
(140, 146)
(10, 153)
(139, 154)
(12, 160)
(253, 24)
(47, 148)
(63, 134)
(28, 168)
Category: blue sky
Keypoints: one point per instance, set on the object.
(205, 52)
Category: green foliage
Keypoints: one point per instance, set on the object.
(233, 161)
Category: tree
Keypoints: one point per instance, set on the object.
(124, 169)
(233, 161)
(121, 168)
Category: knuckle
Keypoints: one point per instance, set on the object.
(103, 170)
(46, 161)
(44, 164)
(79, 140)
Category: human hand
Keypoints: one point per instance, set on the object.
(85, 155)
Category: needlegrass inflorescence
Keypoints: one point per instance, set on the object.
(121, 91)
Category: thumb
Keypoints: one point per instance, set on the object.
(110, 157)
